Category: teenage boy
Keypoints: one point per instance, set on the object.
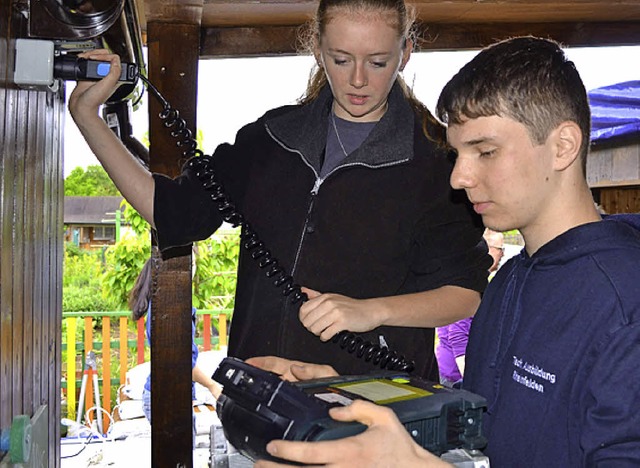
(555, 344)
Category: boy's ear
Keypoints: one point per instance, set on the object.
(568, 141)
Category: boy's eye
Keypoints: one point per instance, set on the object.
(487, 153)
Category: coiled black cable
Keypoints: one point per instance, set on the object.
(202, 165)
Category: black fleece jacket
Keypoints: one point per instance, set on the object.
(384, 222)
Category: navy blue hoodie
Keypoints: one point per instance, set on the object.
(555, 350)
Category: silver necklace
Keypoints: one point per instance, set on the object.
(335, 129)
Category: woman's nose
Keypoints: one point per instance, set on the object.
(359, 76)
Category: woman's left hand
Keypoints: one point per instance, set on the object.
(328, 314)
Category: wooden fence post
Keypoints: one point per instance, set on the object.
(106, 371)
(71, 367)
(124, 346)
(88, 346)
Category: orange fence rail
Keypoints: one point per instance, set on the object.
(113, 350)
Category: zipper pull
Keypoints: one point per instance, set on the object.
(316, 186)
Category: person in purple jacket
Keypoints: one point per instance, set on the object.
(452, 339)
(555, 344)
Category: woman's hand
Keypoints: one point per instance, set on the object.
(290, 370)
(327, 314)
(88, 96)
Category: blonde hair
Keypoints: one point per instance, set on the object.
(311, 34)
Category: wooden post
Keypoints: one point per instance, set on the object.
(122, 329)
(222, 331)
(173, 53)
(71, 367)
(106, 371)
(171, 399)
(206, 332)
(140, 339)
(88, 346)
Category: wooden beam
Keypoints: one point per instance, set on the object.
(172, 11)
(615, 183)
(282, 40)
(256, 13)
(171, 399)
(173, 69)
(248, 42)
(478, 35)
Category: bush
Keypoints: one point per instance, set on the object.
(81, 281)
(214, 283)
(77, 299)
(124, 261)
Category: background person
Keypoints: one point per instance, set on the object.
(452, 339)
(349, 191)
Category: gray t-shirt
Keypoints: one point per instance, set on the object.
(342, 139)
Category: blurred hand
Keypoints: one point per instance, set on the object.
(215, 389)
(327, 314)
(385, 443)
(290, 370)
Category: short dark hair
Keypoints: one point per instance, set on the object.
(528, 79)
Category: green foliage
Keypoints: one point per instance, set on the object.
(513, 237)
(93, 182)
(123, 264)
(125, 259)
(200, 139)
(102, 280)
(81, 267)
(79, 299)
(137, 223)
(214, 283)
(81, 281)
(73, 250)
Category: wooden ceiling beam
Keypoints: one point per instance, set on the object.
(474, 36)
(256, 13)
(248, 42)
(282, 40)
(173, 11)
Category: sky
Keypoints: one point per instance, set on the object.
(234, 92)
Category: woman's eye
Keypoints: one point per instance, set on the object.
(339, 61)
(379, 64)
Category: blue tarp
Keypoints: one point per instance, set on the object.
(615, 111)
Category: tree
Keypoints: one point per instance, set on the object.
(94, 182)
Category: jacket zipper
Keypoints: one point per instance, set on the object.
(314, 192)
(316, 187)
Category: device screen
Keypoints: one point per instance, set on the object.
(380, 391)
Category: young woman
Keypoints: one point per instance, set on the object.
(349, 190)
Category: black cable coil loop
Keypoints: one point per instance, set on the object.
(202, 165)
(380, 356)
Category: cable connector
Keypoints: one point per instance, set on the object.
(40, 64)
(69, 67)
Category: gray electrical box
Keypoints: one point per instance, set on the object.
(34, 65)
